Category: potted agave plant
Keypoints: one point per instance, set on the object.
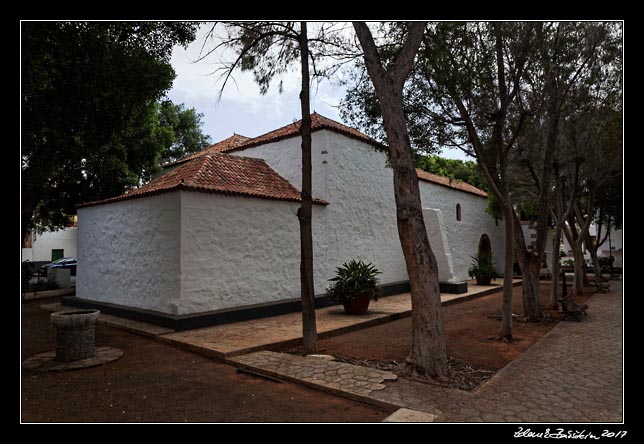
(354, 285)
(483, 269)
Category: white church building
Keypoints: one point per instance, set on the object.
(215, 238)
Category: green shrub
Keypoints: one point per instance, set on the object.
(483, 266)
(353, 279)
(568, 264)
(606, 264)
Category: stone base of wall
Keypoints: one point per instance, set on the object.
(453, 287)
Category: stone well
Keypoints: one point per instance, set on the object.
(75, 334)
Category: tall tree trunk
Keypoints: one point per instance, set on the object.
(506, 306)
(305, 212)
(530, 264)
(570, 231)
(598, 273)
(427, 356)
(577, 240)
(578, 254)
(531, 290)
(555, 268)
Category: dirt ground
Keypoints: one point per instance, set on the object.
(467, 329)
(155, 382)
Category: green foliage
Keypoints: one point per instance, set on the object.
(352, 279)
(568, 264)
(606, 263)
(483, 266)
(494, 208)
(528, 209)
(456, 169)
(89, 116)
(180, 131)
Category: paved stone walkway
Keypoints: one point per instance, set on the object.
(335, 377)
(573, 374)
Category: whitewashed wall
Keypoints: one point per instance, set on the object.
(360, 221)
(361, 218)
(238, 251)
(463, 236)
(128, 253)
(43, 243)
(188, 252)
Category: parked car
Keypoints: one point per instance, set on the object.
(66, 262)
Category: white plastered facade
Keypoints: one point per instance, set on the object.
(189, 252)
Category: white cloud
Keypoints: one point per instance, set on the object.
(242, 108)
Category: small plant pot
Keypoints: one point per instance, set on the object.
(483, 280)
(359, 305)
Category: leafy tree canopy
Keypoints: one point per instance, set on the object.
(180, 130)
(456, 169)
(90, 127)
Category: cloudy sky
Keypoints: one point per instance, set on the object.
(242, 109)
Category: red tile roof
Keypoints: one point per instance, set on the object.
(451, 183)
(238, 142)
(222, 174)
(318, 122)
(219, 147)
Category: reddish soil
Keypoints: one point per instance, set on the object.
(468, 329)
(155, 382)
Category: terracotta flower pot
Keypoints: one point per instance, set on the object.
(359, 305)
(483, 280)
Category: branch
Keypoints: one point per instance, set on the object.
(515, 134)
(404, 60)
(476, 145)
(500, 69)
(371, 56)
(586, 223)
(535, 178)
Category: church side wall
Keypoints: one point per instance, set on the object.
(128, 253)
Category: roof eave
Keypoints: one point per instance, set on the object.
(184, 187)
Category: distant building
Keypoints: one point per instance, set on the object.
(49, 245)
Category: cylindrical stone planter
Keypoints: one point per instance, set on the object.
(75, 334)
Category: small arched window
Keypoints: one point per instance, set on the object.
(458, 212)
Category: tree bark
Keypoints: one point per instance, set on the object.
(530, 263)
(508, 273)
(556, 268)
(427, 356)
(578, 255)
(305, 212)
(593, 249)
(531, 291)
(598, 272)
(577, 240)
